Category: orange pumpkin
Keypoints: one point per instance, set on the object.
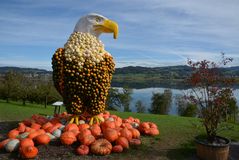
(111, 134)
(21, 127)
(123, 142)
(76, 133)
(83, 134)
(26, 142)
(95, 130)
(137, 120)
(29, 152)
(101, 147)
(144, 125)
(13, 133)
(152, 131)
(126, 125)
(71, 127)
(82, 150)
(153, 125)
(135, 133)
(43, 139)
(107, 124)
(67, 138)
(117, 149)
(135, 142)
(118, 121)
(28, 122)
(3, 143)
(55, 120)
(83, 126)
(54, 127)
(47, 125)
(126, 133)
(36, 133)
(87, 140)
(29, 129)
(35, 126)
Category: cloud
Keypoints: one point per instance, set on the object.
(159, 32)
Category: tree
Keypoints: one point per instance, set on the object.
(140, 106)
(119, 99)
(9, 85)
(211, 92)
(126, 98)
(185, 108)
(44, 88)
(25, 87)
(161, 102)
(113, 99)
(232, 110)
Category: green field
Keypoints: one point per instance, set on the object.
(175, 139)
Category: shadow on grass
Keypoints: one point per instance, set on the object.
(186, 151)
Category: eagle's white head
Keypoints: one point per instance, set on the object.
(96, 24)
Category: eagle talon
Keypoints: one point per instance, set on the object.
(74, 119)
(95, 119)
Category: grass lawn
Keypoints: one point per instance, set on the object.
(15, 111)
(174, 142)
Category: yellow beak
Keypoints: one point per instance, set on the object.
(108, 26)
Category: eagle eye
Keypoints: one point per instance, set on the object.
(97, 19)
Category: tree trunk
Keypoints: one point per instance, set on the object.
(45, 101)
(24, 102)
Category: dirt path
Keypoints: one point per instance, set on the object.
(150, 149)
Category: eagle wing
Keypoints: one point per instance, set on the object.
(58, 70)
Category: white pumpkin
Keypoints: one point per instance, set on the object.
(12, 145)
(23, 135)
(57, 133)
(52, 137)
(81, 122)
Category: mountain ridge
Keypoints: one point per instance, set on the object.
(125, 70)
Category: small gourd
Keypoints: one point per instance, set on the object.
(57, 133)
(26, 142)
(82, 150)
(29, 152)
(101, 147)
(12, 145)
(43, 139)
(23, 135)
(117, 149)
(13, 133)
(67, 138)
(52, 137)
(123, 142)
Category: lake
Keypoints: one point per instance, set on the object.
(145, 95)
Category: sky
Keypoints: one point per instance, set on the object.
(152, 33)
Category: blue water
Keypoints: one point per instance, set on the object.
(145, 96)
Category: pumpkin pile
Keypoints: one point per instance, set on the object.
(113, 134)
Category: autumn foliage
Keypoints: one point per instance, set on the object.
(211, 92)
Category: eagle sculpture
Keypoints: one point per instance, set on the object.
(82, 70)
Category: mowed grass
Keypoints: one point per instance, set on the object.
(176, 139)
(15, 111)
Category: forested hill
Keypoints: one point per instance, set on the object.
(181, 70)
(4, 70)
(167, 71)
(135, 77)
